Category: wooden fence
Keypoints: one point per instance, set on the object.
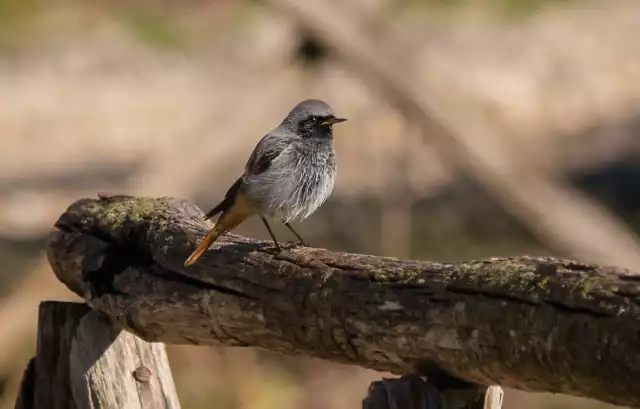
(449, 330)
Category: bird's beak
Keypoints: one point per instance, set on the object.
(332, 121)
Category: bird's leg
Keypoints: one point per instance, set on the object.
(266, 224)
(302, 242)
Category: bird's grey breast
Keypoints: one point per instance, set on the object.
(297, 182)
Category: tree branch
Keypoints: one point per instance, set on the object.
(538, 324)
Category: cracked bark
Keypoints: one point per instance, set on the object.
(537, 324)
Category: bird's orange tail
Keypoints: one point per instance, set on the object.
(230, 218)
(204, 245)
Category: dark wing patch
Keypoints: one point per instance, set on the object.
(264, 161)
(263, 155)
(229, 199)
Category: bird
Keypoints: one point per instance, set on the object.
(290, 173)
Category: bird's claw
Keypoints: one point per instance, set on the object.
(293, 245)
(275, 250)
(280, 248)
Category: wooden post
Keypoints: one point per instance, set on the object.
(84, 362)
(413, 392)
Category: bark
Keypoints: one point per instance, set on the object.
(530, 323)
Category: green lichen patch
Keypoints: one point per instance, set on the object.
(119, 216)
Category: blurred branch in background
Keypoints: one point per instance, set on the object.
(560, 215)
(30, 198)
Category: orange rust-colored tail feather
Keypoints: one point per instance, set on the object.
(230, 218)
(203, 246)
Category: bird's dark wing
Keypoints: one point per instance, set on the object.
(265, 152)
(228, 200)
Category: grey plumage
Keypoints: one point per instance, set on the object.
(301, 166)
(289, 175)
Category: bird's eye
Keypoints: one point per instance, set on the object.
(314, 118)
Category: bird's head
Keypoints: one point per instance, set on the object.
(312, 118)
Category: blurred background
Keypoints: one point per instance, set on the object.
(476, 128)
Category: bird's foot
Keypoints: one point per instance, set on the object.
(290, 245)
(274, 251)
(293, 244)
(279, 248)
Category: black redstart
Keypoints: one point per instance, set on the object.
(289, 174)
